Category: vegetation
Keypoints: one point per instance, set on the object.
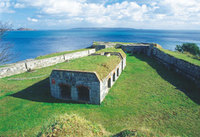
(146, 97)
(5, 47)
(191, 48)
(3, 66)
(112, 50)
(102, 65)
(72, 125)
(97, 42)
(184, 56)
(58, 54)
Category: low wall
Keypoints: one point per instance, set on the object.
(134, 49)
(185, 68)
(17, 68)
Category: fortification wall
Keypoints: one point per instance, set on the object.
(134, 49)
(185, 68)
(17, 68)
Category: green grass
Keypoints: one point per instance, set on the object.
(72, 125)
(182, 56)
(1, 66)
(53, 55)
(58, 54)
(146, 97)
(97, 42)
(102, 65)
(112, 50)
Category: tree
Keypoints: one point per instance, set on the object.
(5, 47)
(179, 48)
(192, 48)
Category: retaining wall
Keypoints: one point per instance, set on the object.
(185, 68)
(17, 68)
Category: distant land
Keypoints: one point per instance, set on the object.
(22, 29)
(100, 28)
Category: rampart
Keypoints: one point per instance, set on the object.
(180, 66)
(23, 66)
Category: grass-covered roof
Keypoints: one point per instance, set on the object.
(113, 50)
(102, 65)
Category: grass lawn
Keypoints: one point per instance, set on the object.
(146, 97)
(182, 56)
(59, 53)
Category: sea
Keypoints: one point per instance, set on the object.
(30, 44)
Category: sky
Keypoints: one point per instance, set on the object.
(138, 14)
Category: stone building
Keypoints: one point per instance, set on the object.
(85, 86)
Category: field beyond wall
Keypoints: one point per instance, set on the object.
(146, 97)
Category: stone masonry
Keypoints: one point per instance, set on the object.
(83, 86)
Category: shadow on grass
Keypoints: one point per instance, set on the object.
(183, 84)
(40, 92)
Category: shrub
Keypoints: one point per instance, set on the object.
(72, 126)
(192, 48)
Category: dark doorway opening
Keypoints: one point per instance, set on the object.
(83, 93)
(118, 72)
(65, 91)
(109, 83)
(114, 77)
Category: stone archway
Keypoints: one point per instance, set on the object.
(113, 76)
(83, 93)
(65, 91)
(109, 83)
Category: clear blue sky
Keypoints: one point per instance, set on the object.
(64, 14)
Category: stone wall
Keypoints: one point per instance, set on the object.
(104, 86)
(97, 88)
(17, 68)
(135, 49)
(185, 68)
(75, 79)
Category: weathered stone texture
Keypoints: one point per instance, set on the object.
(104, 83)
(13, 69)
(27, 65)
(36, 64)
(183, 67)
(98, 89)
(75, 79)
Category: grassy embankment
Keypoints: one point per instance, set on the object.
(59, 53)
(146, 97)
(184, 56)
(97, 42)
(53, 55)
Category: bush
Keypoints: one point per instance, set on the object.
(72, 126)
(192, 48)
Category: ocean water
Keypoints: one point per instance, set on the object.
(30, 44)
